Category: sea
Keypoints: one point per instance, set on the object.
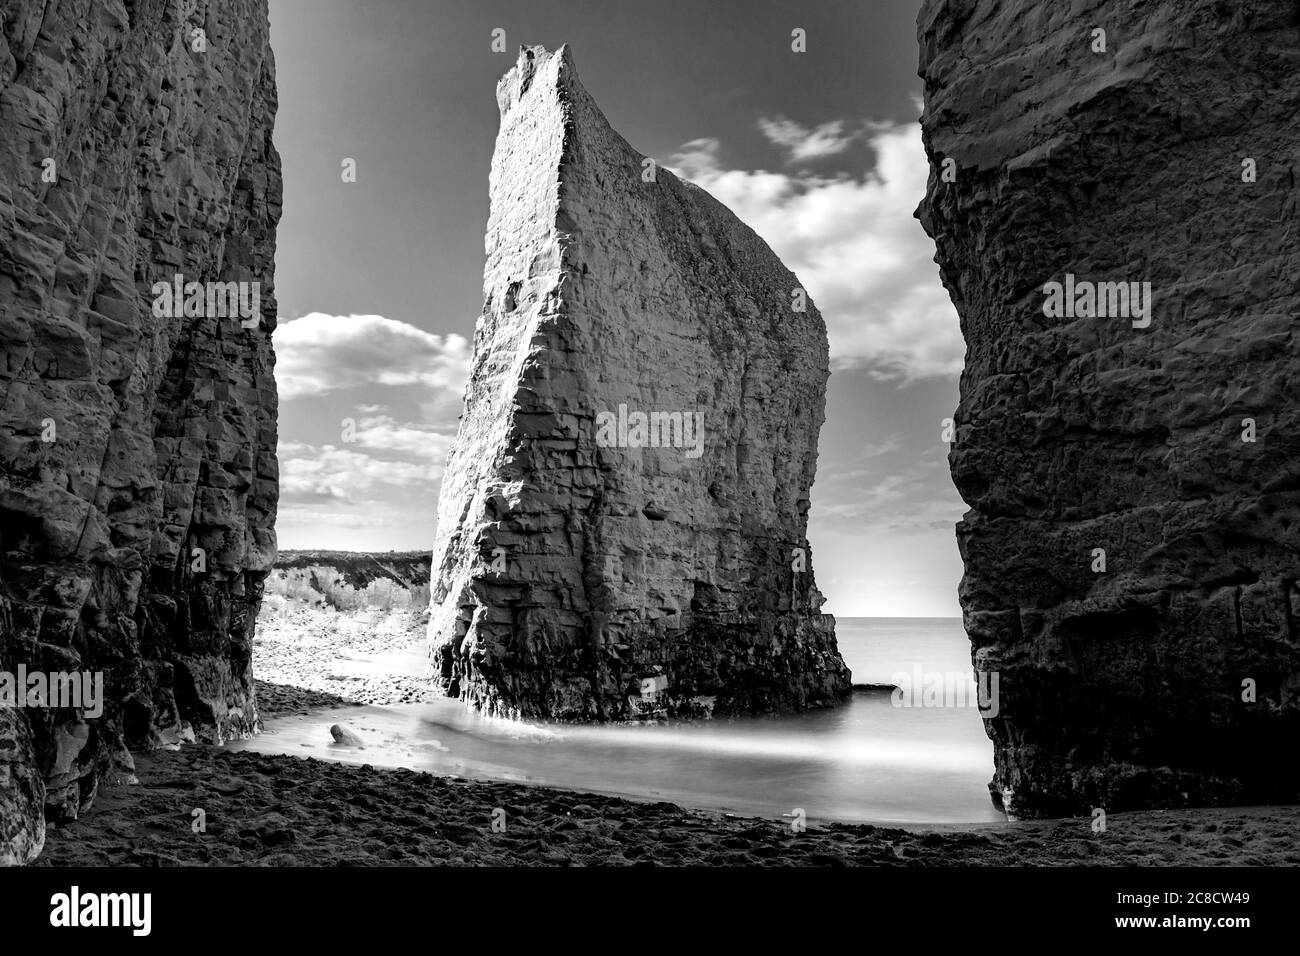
(867, 761)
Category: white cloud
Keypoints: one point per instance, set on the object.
(382, 432)
(803, 143)
(364, 470)
(376, 470)
(319, 353)
(326, 472)
(856, 248)
(292, 514)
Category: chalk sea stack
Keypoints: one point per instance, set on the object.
(1170, 674)
(138, 478)
(622, 523)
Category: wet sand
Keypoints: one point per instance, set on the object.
(264, 810)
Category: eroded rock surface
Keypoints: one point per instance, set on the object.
(356, 572)
(1173, 675)
(575, 575)
(137, 453)
(22, 791)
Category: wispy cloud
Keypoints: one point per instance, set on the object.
(803, 143)
(324, 472)
(357, 460)
(854, 245)
(383, 432)
(321, 353)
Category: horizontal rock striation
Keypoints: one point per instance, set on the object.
(586, 567)
(137, 445)
(1131, 549)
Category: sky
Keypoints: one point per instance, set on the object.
(379, 280)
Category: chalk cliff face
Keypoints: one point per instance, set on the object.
(347, 579)
(137, 451)
(625, 506)
(1170, 674)
(22, 791)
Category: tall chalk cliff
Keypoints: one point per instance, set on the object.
(585, 566)
(1132, 547)
(138, 478)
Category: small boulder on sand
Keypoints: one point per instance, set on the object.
(344, 736)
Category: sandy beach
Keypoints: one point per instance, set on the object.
(271, 810)
(368, 654)
(262, 810)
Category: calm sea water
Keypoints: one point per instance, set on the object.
(864, 761)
